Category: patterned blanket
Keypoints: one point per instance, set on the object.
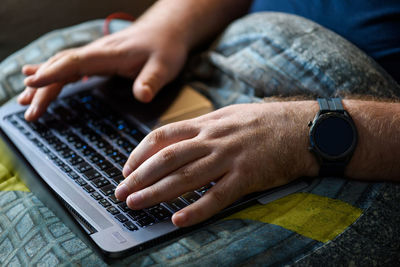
(335, 221)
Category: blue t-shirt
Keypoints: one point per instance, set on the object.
(372, 25)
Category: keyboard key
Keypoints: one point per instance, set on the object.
(53, 140)
(59, 146)
(107, 130)
(103, 165)
(190, 197)
(37, 142)
(86, 151)
(95, 158)
(204, 189)
(117, 179)
(91, 174)
(88, 189)
(105, 203)
(100, 144)
(96, 196)
(112, 172)
(109, 150)
(138, 135)
(159, 212)
(130, 226)
(118, 157)
(58, 162)
(73, 175)
(123, 207)
(67, 153)
(136, 214)
(113, 210)
(73, 138)
(120, 217)
(145, 221)
(45, 149)
(176, 204)
(80, 144)
(51, 156)
(65, 168)
(100, 182)
(80, 182)
(114, 200)
(83, 167)
(108, 190)
(75, 160)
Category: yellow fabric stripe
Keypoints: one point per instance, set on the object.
(313, 216)
(9, 181)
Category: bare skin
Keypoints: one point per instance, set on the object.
(244, 148)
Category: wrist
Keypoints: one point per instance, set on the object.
(309, 165)
(292, 134)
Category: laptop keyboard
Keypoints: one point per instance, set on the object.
(90, 143)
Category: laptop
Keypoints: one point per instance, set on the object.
(72, 158)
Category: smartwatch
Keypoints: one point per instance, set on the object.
(333, 137)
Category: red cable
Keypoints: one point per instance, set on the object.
(106, 26)
(117, 15)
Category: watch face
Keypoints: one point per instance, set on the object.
(334, 135)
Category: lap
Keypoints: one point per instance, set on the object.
(275, 54)
(257, 57)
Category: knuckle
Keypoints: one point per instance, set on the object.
(156, 137)
(133, 182)
(168, 155)
(219, 196)
(155, 77)
(116, 52)
(186, 176)
(151, 193)
(73, 57)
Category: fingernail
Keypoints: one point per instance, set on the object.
(147, 93)
(28, 80)
(30, 112)
(22, 95)
(179, 219)
(122, 191)
(135, 199)
(126, 170)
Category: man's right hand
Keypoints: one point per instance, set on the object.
(151, 54)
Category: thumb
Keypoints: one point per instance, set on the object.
(154, 75)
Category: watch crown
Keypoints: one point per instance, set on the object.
(309, 123)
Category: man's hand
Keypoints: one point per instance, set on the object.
(142, 51)
(243, 148)
(153, 50)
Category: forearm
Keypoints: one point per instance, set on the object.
(377, 154)
(378, 151)
(194, 21)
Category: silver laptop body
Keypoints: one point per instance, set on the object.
(111, 236)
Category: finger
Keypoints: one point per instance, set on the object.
(30, 69)
(157, 140)
(76, 62)
(154, 75)
(41, 100)
(25, 98)
(160, 165)
(222, 194)
(186, 179)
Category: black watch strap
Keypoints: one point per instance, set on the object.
(332, 169)
(335, 168)
(330, 104)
